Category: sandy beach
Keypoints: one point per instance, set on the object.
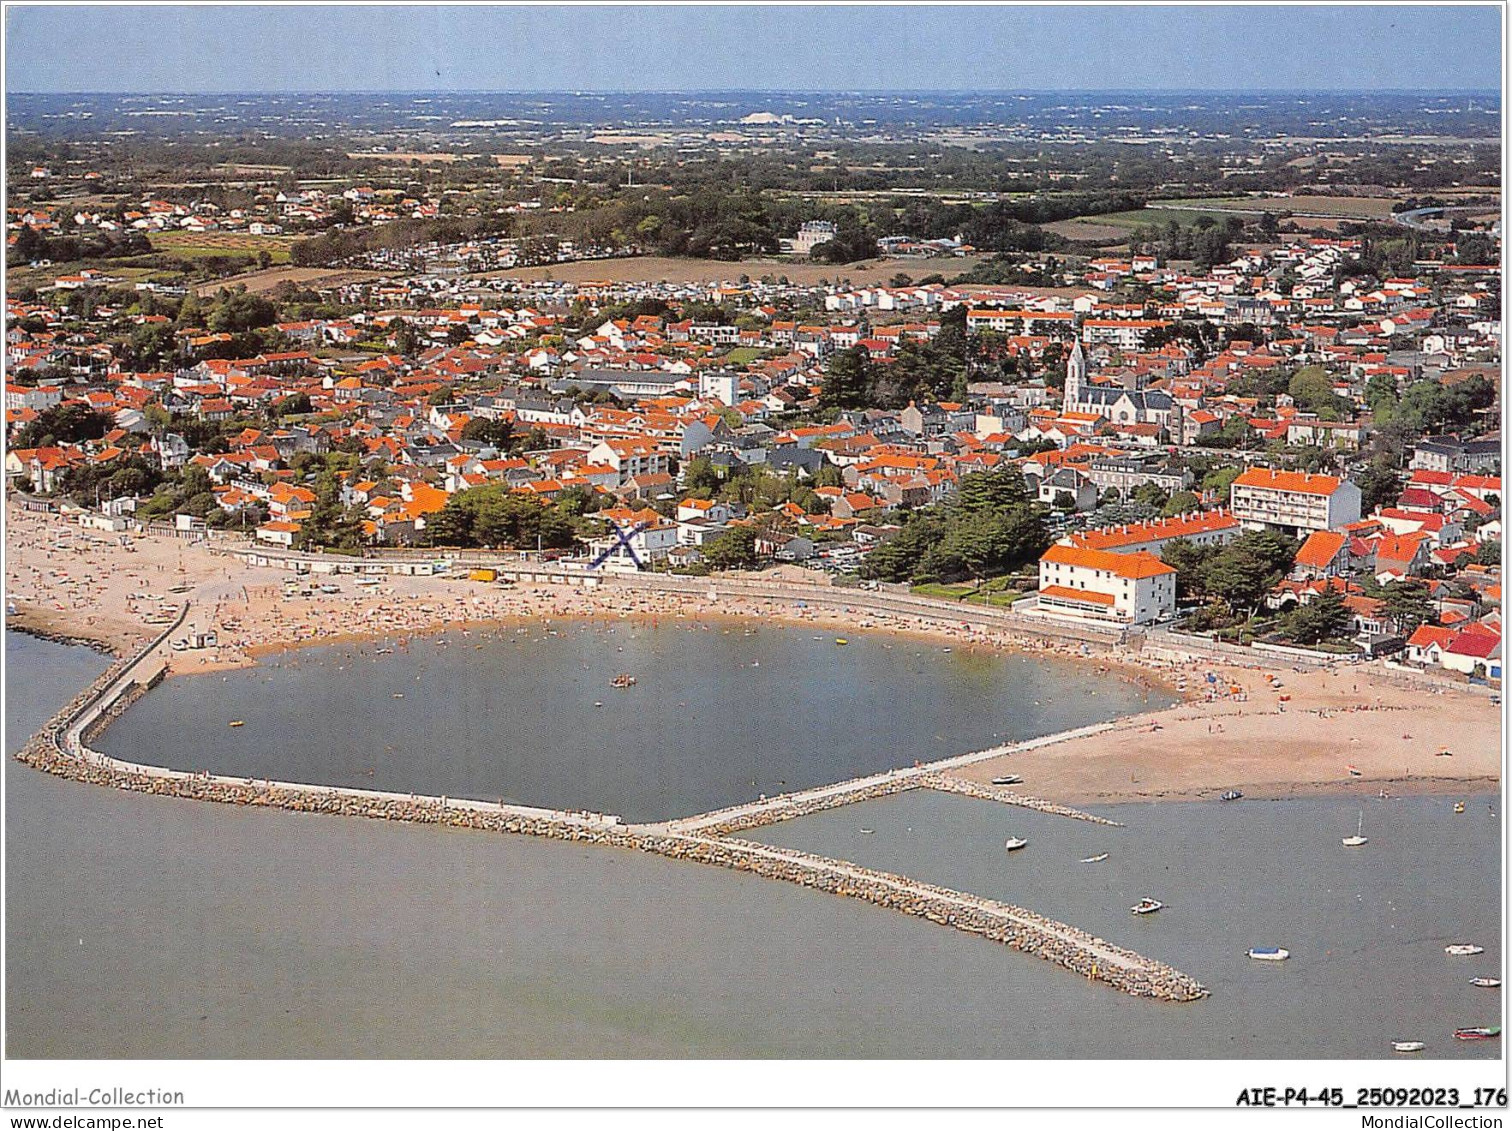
(68, 582)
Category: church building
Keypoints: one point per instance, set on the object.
(1121, 404)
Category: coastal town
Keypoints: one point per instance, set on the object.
(1163, 467)
(1294, 444)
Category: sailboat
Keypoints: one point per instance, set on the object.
(1358, 839)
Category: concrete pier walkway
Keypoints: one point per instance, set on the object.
(926, 775)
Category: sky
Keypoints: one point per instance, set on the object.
(251, 48)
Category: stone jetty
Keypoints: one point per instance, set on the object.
(1023, 930)
(1001, 793)
(61, 748)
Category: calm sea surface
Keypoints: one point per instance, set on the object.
(151, 927)
(717, 716)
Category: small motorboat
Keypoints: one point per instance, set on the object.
(1007, 779)
(1098, 859)
(868, 832)
(1478, 1033)
(1486, 983)
(1147, 906)
(1269, 953)
(842, 641)
(1359, 838)
(1462, 950)
(1230, 795)
(1407, 1046)
(1014, 842)
(622, 680)
(236, 723)
(1459, 806)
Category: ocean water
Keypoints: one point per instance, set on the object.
(717, 716)
(150, 927)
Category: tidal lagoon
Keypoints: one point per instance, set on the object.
(152, 927)
(718, 715)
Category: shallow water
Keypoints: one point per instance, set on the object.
(717, 716)
(151, 927)
(1232, 876)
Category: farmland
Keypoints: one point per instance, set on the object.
(1344, 207)
(260, 282)
(204, 245)
(658, 269)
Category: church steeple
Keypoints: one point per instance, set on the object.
(1076, 377)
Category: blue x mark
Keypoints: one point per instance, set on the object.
(623, 534)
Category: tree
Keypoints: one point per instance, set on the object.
(1235, 433)
(734, 549)
(1221, 479)
(1379, 485)
(700, 479)
(1181, 503)
(1244, 570)
(1489, 553)
(1322, 618)
(63, 424)
(1409, 603)
(1476, 248)
(1149, 495)
(329, 524)
(994, 490)
(1382, 396)
(496, 433)
(990, 528)
(1312, 391)
(403, 335)
(848, 379)
(238, 311)
(849, 245)
(1190, 562)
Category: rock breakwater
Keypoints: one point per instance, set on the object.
(947, 784)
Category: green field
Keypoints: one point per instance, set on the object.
(1144, 216)
(204, 245)
(993, 592)
(744, 355)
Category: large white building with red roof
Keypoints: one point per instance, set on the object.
(1103, 586)
(1294, 501)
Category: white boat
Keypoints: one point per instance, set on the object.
(1486, 983)
(1269, 953)
(1407, 1046)
(1014, 842)
(1007, 779)
(1098, 859)
(1147, 906)
(1358, 839)
(1461, 950)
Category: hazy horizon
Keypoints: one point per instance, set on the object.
(627, 49)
